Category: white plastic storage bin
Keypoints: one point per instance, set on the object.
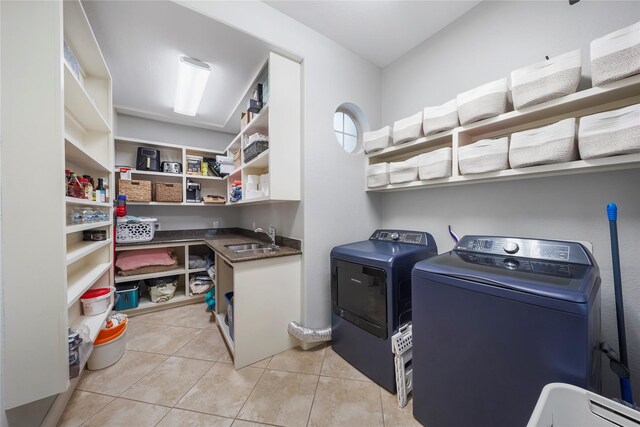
(135, 230)
(546, 80)
(434, 165)
(405, 171)
(564, 405)
(485, 101)
(407, 129)
(441, 118)
(486, 155)
(610, 133)
(107, 354)
(554, 143)
(96, 301)
(616, 55)
(377, 140)
(378, 175)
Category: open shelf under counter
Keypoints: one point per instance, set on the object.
(147, 306)
(76, 153)
(81, 106)
(175, 272)
(81, 249)
(224, 328)
(89, 226)
(626, 161)
(86, 202)
(83, 279)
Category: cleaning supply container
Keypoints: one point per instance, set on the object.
(108, 347)
(96, 301)
(229, 297)
(128, 297)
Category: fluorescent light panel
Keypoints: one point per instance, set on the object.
(192, 80)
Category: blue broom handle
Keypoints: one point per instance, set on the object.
(612, 213)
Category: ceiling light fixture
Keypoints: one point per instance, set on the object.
(192, 80)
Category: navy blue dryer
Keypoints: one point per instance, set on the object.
(371, 297)
(497, 319)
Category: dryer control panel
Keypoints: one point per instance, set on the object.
(552, 250)
(400, 236)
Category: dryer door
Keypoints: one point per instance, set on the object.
(359, 295)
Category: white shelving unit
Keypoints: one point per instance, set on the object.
(591, 101)
(66, 120)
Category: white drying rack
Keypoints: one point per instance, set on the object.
(401, 345)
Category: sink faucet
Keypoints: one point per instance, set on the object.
(271, 233)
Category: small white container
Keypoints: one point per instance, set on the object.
(435, 164)
(488, 100)
(407, 129)
(616, 55)
(610, 133)
(98, 305)
(378, 175)
(405, 171)
(441, 118)
(264, 184)
(107, 354)
(377, 140)
(564, 405)
(554, 143)
(546, 80)
(486, 155)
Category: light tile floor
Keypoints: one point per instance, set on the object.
(177, 372)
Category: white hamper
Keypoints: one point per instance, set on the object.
(486, 155)
(407, 129)
(441, 118)
(546, 80)
(403, 171)
(378, 175)
(377, 139)
(564, 405)
(554, 143)
(485, 101)
(610, 133)
(434, 165)
(616, 55)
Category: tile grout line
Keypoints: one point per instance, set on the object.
(315, 392)
(194, 384)
(251, 392)
(381, 405)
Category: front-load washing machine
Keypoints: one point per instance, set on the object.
(371, 298)
(494, 321)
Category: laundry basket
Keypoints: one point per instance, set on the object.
(132, 230)
(564, 405)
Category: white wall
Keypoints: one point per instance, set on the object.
(486, 44)
(336, 209)
(153, 130)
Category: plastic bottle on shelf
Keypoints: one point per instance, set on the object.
(100, 193)
(121, 207)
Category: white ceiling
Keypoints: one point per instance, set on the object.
(142, 42)
(380, 31)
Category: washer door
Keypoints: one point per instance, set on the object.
(359, 295)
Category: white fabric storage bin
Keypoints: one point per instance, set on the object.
(554, 143)
(436, 164)
(486, 155)
(546, 80)
(403, 171)
(441, 118)
(407, 129)
(485, 101)
(610, 133)
(378, 175)
(616, 55)
(377, 139)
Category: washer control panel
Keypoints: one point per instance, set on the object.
(400, 236)
(553, 250)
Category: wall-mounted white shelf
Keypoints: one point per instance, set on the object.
(153, 173)
(76, 153)
(83, 279)
(86, 202)
(205, 178)
(81, 249)
(260, 161)
(89, 226)
(81, 105)
(591, 101)
(195, 205)
(258, 123)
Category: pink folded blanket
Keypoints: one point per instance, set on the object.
(131, 260)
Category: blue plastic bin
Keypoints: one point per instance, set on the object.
(128, 297)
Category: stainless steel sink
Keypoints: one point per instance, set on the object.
(256, 248)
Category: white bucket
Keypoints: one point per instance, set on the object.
(98, 305)
(105, 355)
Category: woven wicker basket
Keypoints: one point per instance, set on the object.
(136, 191)
(168, 192)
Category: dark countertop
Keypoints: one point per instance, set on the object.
(218, 239)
